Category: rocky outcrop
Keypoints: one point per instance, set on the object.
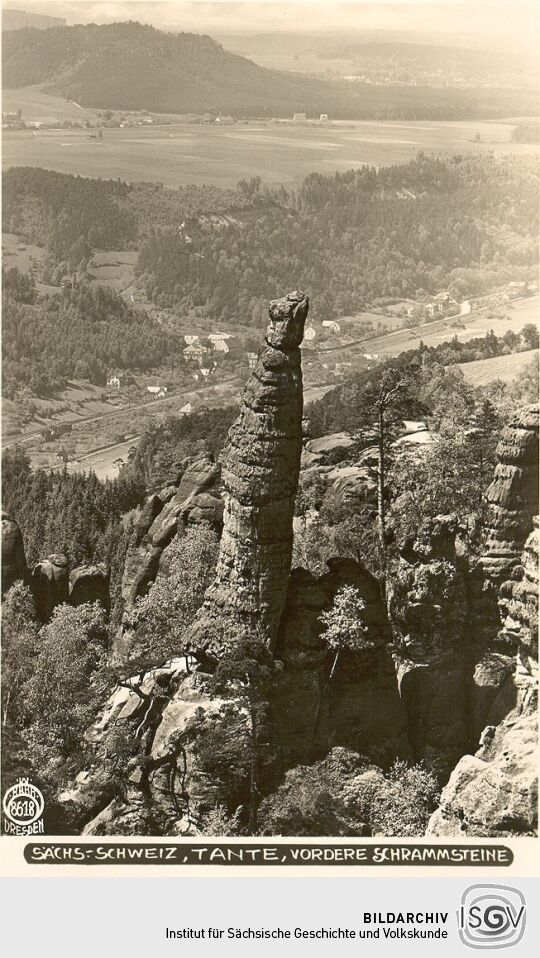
(360, 708)
(90, 583)
(50, 585)
(193, 499)
(13, 557)
(428, 607)
(512, 498)
(260, 469)
(495, 791)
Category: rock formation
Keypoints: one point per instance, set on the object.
(13, 556)
(260, 469)
(195, 498)
(50, 584)
(512, 498)
(361, 708)
(428, 606)
(495, 791)
(90, 583)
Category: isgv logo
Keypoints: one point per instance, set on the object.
(491, 916)
(23, 809)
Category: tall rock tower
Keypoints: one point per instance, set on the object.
(261, 465)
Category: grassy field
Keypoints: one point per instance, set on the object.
(505, 368)
(114, 268)
(25, 256)
(280, 153)
(39, 106)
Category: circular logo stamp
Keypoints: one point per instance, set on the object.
(23, 803)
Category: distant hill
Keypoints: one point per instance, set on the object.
(130, 66)
(18, 19)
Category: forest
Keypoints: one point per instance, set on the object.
(466, 224)
(134, 66)
(80, 333)
(352, 238)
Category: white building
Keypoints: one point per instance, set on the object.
(252, 360)
(158, 392)
(191, 340)
(195, 353)
(113, 382)
(331, 326)
(221, 346)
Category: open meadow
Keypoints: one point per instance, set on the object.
(279, 153)
(504, 368)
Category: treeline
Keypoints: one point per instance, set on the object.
(71, 216)
(81, 333)
(346, 408)
(75, 514)
(465, 224)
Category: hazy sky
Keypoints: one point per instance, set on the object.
(487, 23)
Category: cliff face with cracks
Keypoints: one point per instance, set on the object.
(260, 469)
(512, 499)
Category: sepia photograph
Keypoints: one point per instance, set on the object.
(270, 453)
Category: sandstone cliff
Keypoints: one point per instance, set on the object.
(512, 498)
(495, 791)
(260, 469)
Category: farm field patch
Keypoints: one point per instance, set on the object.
(505, 368)
(43, 107)
(179, 154)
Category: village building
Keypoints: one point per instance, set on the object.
(331, 326)
(195, 353)
(252, 360)
(190, 340)
(114, 382)
(157, 392)
(216, 337)
(299, 117)
(186, 409)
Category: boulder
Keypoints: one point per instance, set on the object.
(337, 442)
(493, 793)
